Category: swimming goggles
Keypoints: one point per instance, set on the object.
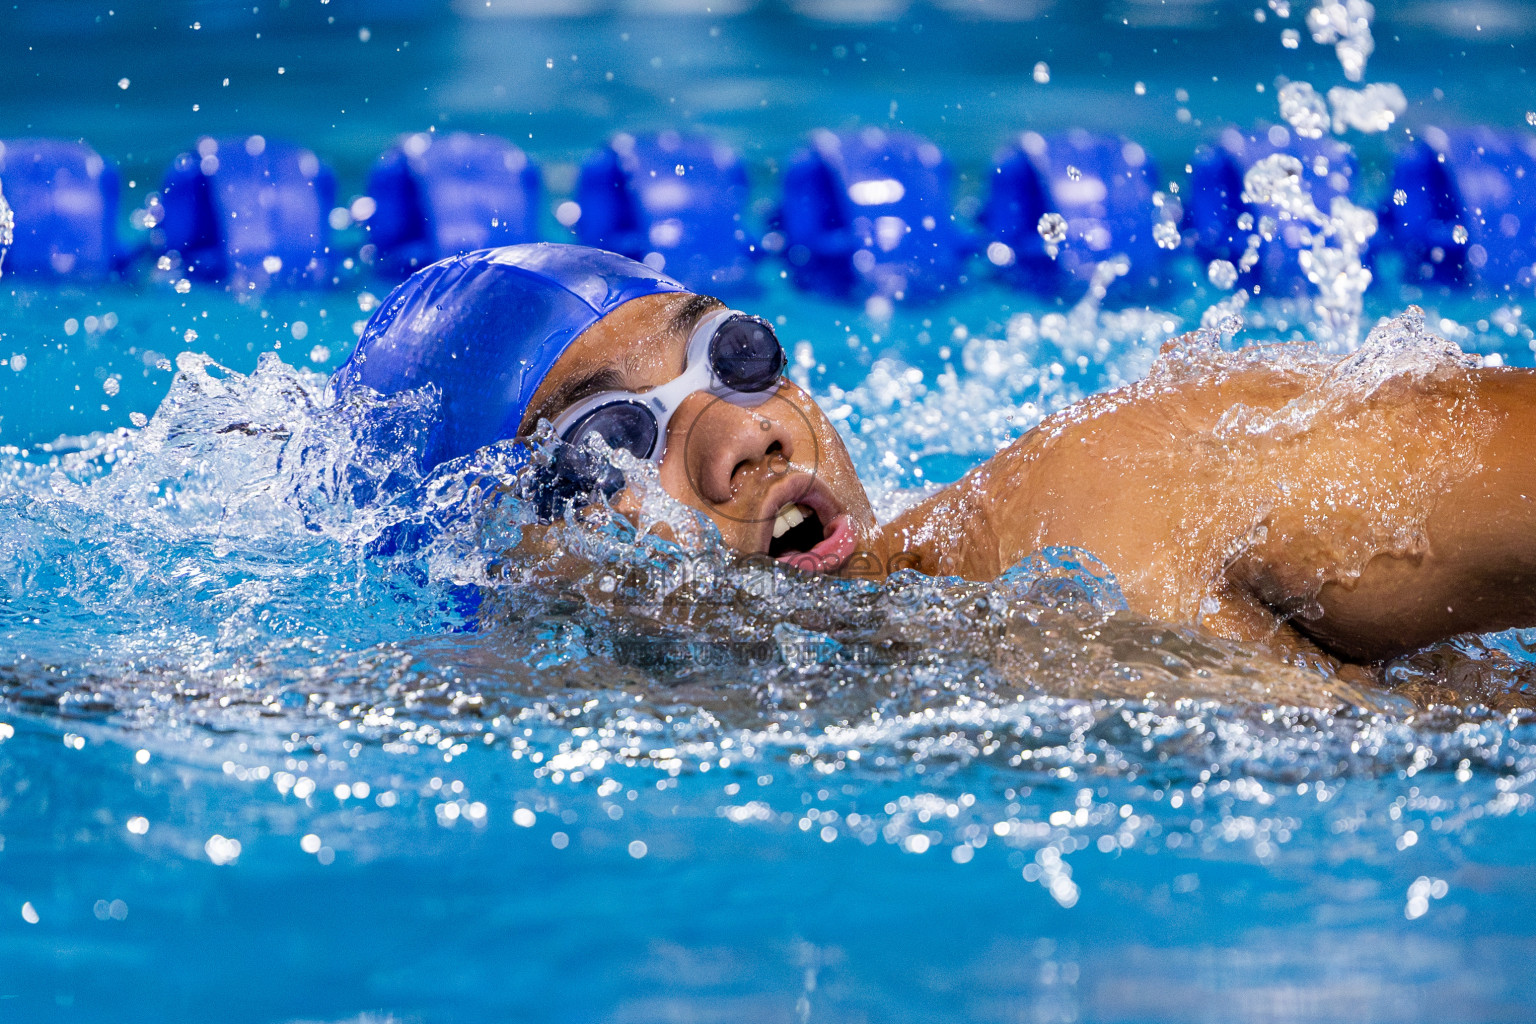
(732, 356)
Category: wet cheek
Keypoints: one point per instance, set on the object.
(835, 465)
(674, 480)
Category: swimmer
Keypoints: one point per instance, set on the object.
(1339, 508)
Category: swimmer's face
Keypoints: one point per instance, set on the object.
(778, 467)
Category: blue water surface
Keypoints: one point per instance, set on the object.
(283, 738)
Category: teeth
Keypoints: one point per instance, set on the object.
(788, 518)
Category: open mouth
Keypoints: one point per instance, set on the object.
(805, 538)
(796, 530)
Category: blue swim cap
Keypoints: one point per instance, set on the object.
(486, 327)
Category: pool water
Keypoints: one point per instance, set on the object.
(282, 737)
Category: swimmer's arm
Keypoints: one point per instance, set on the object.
(1006, 508)
(1479, 572)
(1093, 476)
(1119, 480)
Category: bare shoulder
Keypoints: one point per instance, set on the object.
(1110, 474)
(1136, 476)
(1229, 488)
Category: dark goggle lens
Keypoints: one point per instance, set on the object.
(626, 425)
(577, 472)
(746, 355)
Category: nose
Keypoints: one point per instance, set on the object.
(724, 445)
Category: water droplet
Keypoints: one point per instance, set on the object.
(1399, 197)
(1459, 234)
(1042, 72)
(221, 850)
(1052, 228)
(1373, 109)
(1222, 274)
(1304, 109)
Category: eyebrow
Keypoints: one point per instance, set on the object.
(611, 377)
(689, 313)
(575, 390)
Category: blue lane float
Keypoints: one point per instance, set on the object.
(1463, 209)
(676, 202)
(861, 213)
(1100, 186)
(251, 210)
(868, 213)
(64, 199)
(436, 197)
(1225, 226)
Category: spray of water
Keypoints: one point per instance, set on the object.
(1371, 110)
(1304, 109)
(1337, 239)
(7, 227)
(1346, 24)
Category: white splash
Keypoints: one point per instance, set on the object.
(1222, 274)
(1304, 109)
(1347, 25)
(994, 389)
(7, 227)
(1373, 109)
(1052, 228)
(1333, 263)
